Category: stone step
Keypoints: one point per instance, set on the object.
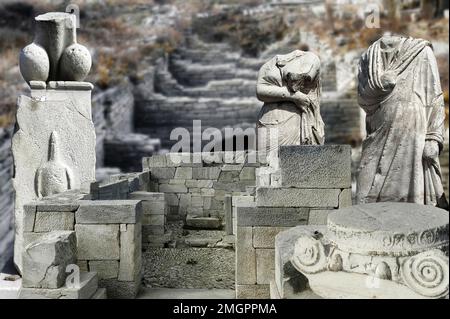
(203, 222)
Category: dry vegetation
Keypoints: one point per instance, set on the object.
(123, 44)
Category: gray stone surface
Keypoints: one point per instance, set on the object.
(252, 292)
(203, 222)
(45, 260)
(109, 212)
(105, 269)
(49, 221)
(264, 237)
(66, 112)
(268, 216)
(98, 242)
(245, 257)
(88, 287)
(130, 252)
(189, 268)
(265, 265)
(319, 166)
(297, 197)
(120, 289)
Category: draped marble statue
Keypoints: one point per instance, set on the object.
(289, 86)
(400, 90)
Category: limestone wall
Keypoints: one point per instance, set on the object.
(6, 196)
(199, 189)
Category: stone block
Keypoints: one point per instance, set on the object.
(29, 216)
(229, 176)
(49, 221)
(130, 252)
(228, 208)
(148, 230)
(120, 289)
(203, 222)
(244, 201)
(208, 173)
(156, 220)
(57, 205)
(83, 265)
(147, 196)
(98, 242)
(245, 257)
(203, 183)
(345, 198)
(264, 237)
(154, 161)
(265, 265)
(318, 216)
(88, 287)
(105, 269)
(152, 204)
(297, 197)
(196, 201)
(168, 188)
(183, 173)
(100, 294)
(232, 167)
(318, 166)
(45, 260)
(162, 173)
(177, 181)
(252, 292)
(272, 216)
(109, 212)
(248, 173)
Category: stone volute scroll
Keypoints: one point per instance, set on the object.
(54, 141)
(289, 86)
(400, 91)
(369, 251)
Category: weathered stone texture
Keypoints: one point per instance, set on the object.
(98, 242)
(319, 166)
(45, 260)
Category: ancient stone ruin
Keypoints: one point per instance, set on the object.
(284, 213)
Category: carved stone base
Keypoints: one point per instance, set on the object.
(381, 250)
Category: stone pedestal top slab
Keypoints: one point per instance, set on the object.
(388, 228)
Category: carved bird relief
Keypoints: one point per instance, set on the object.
(54, 176)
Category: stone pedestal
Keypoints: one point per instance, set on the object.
(380, 250)
(53, 146)
(314, 181)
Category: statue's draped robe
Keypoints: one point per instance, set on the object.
(399, 121)
(293, 126)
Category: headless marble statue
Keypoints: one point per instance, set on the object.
(289, 86)
(400, 90)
